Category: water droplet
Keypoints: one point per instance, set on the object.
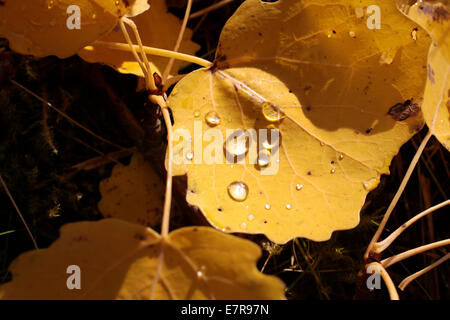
(322, 143)
(333, 170)
(223, 229)
(243, 225)
(50, 4)
(117, 2)
(288, 206)
(267, 206)
(197, 113)
(94, 16)
(341, 156)
(190, 155)
(264, 158)
(200, 275)
(352, 34)
(238, 191)
(386, 57)
(271, 112)
(250, 217)
(371, 184)
(299, 187)
(212, 119)
(238, 146)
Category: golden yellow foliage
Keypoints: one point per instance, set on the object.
(39, 27)
(316, 72)
(119, 260)
(134, 193)
(158, 28)
(435, 18)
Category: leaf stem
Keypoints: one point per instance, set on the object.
(398, 194)
(178, 43)
(393, 294)
(156, 52)
(414, 276)
(382, 245)
(407, 254)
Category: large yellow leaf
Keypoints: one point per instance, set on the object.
(158, 28)
(134, 193)
(119, 260)
(435, 18)
(39, 27)
(330, 81)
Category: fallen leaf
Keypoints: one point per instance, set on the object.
(39, 27)
(134, 193)
(435, 18)
(119, 260)
(314, 71)
(158, 28)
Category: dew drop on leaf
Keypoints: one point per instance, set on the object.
(264, 158)
(238, 191)
(212, 118)
(333, 170)
(288, 206)
(190, 155)
(196, 113)
(271, 112)
(250, 217)
(299, 187)
(341, 156)
(267, 206)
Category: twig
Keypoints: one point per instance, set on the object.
(18, 211)
(210, 8)
(66, 116)
(178, 43)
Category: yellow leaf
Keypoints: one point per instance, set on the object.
(119, 260)
(158, 28)
(134, 193)
(435, 18)
(41, 27)
(317, 73)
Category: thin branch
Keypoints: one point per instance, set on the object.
(178, 43)
(382, 245)
(393, 294)
(155, 52)
(407, 254)
(18, 211)
(213, 7)
(66, 116)
(414, 276)
(400, 190)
